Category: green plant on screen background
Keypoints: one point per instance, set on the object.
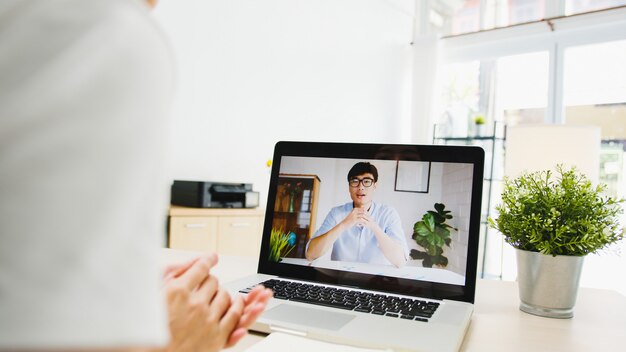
(432, 233)
(280, 244)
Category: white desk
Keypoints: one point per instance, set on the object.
(599, 322)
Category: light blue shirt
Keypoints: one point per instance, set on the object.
(359, 244)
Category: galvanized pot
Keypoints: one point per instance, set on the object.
(548, 285)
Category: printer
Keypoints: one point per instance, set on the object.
(200, 194)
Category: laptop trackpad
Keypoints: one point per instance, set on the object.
(316, 318)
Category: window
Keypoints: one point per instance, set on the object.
(570, 72)
(460, 96)
(521, 91)
(461, 17)
(466, 19)
(506, 13)
(512, 89)
(580, 6)
(594, 93)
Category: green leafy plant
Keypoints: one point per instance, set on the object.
(479, 119)
(562, 215)
(280, 244)
(432, 233)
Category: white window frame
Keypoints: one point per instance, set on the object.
(591, 28)
(554, 36)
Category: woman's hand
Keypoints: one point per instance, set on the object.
(202, 315)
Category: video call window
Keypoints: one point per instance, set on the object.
(424, 207)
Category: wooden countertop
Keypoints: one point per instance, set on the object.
(176, 210)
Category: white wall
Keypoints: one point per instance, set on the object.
(457, 196)
(252, 72)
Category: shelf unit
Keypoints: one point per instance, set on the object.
(295, 208)
(494, 145)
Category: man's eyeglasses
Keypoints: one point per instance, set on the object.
(367, 182)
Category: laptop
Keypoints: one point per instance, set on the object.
(402, 275)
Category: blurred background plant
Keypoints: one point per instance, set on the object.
(281, 244)
(479, 119)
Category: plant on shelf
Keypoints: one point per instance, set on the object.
(280, 244)
(293, 190)
(479, 125)
(432, 233)
(479, 120)
(553, 223)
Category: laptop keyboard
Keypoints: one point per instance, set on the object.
(365, 302)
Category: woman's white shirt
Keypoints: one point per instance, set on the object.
(85, 94)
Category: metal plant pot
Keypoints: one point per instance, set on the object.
(548, 285)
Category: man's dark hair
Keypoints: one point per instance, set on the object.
(362, 168)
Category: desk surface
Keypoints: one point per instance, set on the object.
(497, 324)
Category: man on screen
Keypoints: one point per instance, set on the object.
(361, 230)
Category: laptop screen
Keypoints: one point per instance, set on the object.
(397, 218)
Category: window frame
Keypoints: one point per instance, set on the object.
(563, 33)
(554, 36)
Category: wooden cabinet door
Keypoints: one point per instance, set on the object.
(194, 233)
(239, 235)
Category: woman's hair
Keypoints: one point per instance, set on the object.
(362, 168)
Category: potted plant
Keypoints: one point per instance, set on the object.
(432, 233)
(280, 244)
(479, 125)
(293, 190)
(554, 222)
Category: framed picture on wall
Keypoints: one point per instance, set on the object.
(412, 176)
